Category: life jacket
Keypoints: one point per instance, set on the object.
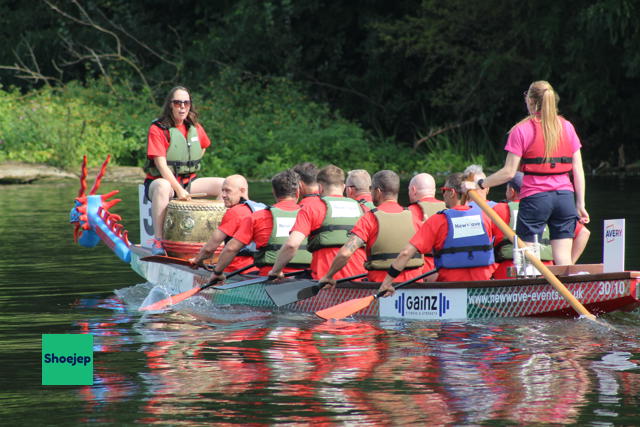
(429, 208)
(467, 243)
(342, 214)
(183, 154)
(366, 205)
(394, 232)
(282, 223)
(533, 161)
(250, 249)
(491, 203)
(504, 249)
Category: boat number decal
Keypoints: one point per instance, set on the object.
(609, 288)
(426, 304)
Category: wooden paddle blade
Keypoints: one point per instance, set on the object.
(346, 309)
(171, 300)
(290, 292)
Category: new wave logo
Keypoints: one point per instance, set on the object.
(422, 303)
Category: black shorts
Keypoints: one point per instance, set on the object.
(554, 208)
(148, 181)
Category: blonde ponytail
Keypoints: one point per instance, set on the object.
(550, 122)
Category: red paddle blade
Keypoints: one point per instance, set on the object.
(171, 300)
(346, 308)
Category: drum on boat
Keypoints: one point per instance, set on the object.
(189, 224)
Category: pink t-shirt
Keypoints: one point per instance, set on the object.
(520, 138)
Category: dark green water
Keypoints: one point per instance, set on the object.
(250, 367)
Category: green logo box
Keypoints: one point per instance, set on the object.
(67, 359)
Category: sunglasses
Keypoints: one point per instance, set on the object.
(445, 189)
(177, 102)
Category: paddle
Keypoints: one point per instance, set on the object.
(290, 292)
(191, 292)
(260, 279)
(510, 234)
(350, 307)
(164, 259)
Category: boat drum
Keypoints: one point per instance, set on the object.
(189, 224)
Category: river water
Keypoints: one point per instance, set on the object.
(241, 366)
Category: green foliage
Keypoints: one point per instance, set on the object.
(58, 126)
(258, 127)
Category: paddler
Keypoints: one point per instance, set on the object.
(308, 185)
(460, 237)
(235, 194)
(269, 229)
(385, 230)
(423, 202)
(175, 144)
(326, 221)
(358, 188)
(474, 173)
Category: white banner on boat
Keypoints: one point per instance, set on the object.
(613, 245)
(426, 304)
(146, 226)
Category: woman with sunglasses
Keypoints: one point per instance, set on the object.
(175, 144)
(546, 148)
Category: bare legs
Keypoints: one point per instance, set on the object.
(161, 192)
(561, 249)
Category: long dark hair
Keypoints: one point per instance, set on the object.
(167, 116)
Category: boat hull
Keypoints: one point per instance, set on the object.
(600, 293)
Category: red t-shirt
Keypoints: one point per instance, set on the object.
(258, 228)
(229, 226)
(308, 199)
(429, 263)
(432, 235)
(158, 144)
(310, 218)
(367, 229)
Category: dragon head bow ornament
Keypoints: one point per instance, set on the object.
(93, 221)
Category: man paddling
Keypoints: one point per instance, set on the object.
(308, 184)
(235, 194)
(385, 230)
(474, 173)
(326, 222)
(422, 196)
(269, 229)
(423, 202)
(358, 188)
(460, 237)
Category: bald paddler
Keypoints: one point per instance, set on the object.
(358, 188)
(235, 194)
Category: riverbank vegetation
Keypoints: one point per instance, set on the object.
(258, 127)
(410, 85)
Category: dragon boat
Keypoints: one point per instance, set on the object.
(600, 292)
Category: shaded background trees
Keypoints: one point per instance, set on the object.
(404, 70)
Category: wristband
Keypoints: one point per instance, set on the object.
(480, 182)
(393, 272)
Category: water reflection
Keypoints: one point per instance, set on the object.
(302, 371)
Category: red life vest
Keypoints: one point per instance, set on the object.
(533, 161)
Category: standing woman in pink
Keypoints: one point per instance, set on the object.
(175, 145)
(546, 148)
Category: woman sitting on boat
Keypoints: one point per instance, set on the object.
(176, 143)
